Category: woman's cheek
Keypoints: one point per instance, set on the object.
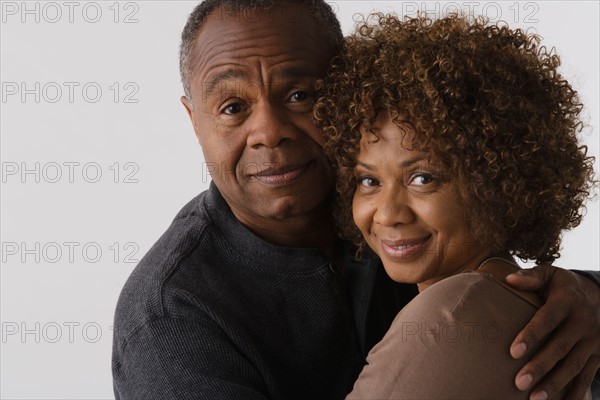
(361, 213)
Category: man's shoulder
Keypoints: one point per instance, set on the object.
(145, 292)
(181, 237)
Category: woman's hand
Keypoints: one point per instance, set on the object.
(567, 325)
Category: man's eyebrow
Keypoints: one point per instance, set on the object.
(287, 73)
(296, 72)
(223, 76)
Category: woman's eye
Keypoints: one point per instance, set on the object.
(422, 179)
(367, 181)
(299, 96)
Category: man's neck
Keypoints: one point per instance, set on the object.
(314, 230)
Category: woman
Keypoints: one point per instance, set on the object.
(456, 148)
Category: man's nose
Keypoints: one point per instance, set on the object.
(269, 126)
(392, 207)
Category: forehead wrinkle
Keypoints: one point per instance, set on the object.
(251, 43)
(241, 58)
(271, 73)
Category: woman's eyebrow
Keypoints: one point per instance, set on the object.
(402, 164)
(365, 165)
(409, 162)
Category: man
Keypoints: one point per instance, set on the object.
(249, 294)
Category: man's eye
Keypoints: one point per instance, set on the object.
(367, 181)
(232, 109)
(299, 96)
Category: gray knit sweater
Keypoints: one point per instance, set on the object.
(214, 312)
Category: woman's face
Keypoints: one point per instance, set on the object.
(409, 210)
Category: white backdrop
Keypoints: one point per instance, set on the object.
(98, 155)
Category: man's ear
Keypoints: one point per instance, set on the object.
(190, 111)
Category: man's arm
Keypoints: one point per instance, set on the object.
(592, 275)
(567, 327)
(179, 359)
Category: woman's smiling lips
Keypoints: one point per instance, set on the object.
(282, 175)
(402, 249)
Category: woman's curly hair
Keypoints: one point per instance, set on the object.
(486, 102)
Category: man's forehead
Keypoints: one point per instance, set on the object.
(290, 26)
(233, 49)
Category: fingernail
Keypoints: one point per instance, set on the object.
(524, 381)
(519, 350)
(540, 395)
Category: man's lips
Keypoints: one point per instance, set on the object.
(281, 175)
(401, 249)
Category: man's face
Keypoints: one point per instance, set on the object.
(252, 93)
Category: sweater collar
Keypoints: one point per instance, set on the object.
(241, 239)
